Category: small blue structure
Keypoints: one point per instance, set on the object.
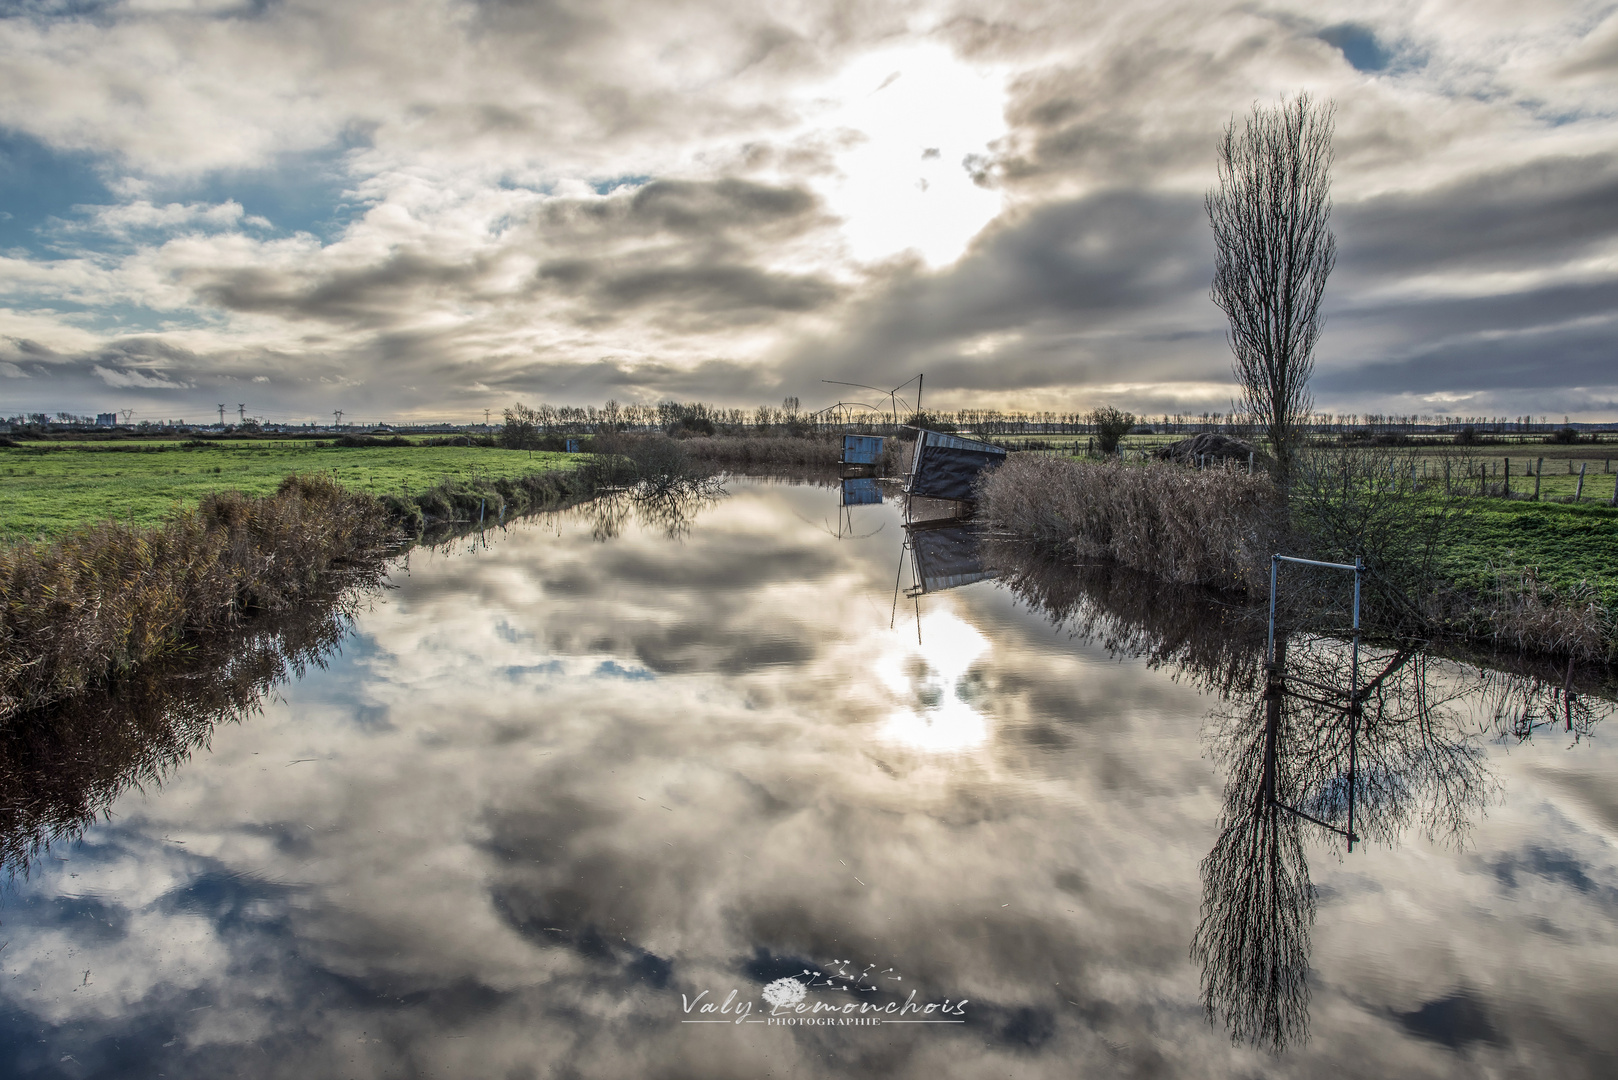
(862, 450)
(573, 446)
(862, 491)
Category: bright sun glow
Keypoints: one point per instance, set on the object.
(904, 185)
(944, 722)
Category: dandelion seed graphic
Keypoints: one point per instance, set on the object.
(784, 992)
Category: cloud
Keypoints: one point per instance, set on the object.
(724, 199)
(131, 378)
(125, 219)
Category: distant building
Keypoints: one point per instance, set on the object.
(106, 419)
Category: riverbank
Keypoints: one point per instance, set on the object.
(1539, 578)
(94, 595)
(109, 597)
(47, 489)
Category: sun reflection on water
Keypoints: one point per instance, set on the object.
(933, 675)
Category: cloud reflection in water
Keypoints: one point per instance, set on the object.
(555, 782)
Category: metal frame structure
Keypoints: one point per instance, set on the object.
(1275, 687)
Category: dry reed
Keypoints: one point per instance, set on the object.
(112, 596)
(1526, 616)
(1212, 527)
(782, 452)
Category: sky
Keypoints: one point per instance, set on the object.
(423, 209)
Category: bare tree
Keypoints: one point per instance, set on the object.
(1269, 216)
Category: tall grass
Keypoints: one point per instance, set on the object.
(779, 452)
(1209, 527)
(109, 597)
(487, 498)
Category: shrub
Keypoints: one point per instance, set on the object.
(1111, 426)
(370, 440)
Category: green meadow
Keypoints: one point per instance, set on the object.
(47, 489)
(1562, 544)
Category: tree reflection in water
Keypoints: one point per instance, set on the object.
(61, 768)
(1416, 757)
(669, 511)
(1301, 769)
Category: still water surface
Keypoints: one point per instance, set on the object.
(554, 794)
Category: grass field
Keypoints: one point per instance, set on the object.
(1563, 544)
(48, 488)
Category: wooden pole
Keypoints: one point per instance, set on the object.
(1508, 478)
(1578, 492)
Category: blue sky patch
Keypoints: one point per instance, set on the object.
(612, 670)
(608, 186)
(38, 183)
(1359, 46)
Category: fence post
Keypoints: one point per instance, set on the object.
(1537, 473)
(1508, 478)
(1578, 492)
(1354, 700)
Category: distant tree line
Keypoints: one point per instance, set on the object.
(527, 427)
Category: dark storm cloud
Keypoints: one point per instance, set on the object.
(366, 295)
(1550, 359)
(625, 379)
(1546, 211)
(685, 251)
(620, 258)
(1427, 322)
(1080, 267)
(730, 293)
(149, 353)
(1092, 120)
(726, 205)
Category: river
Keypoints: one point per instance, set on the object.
(537, 806)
